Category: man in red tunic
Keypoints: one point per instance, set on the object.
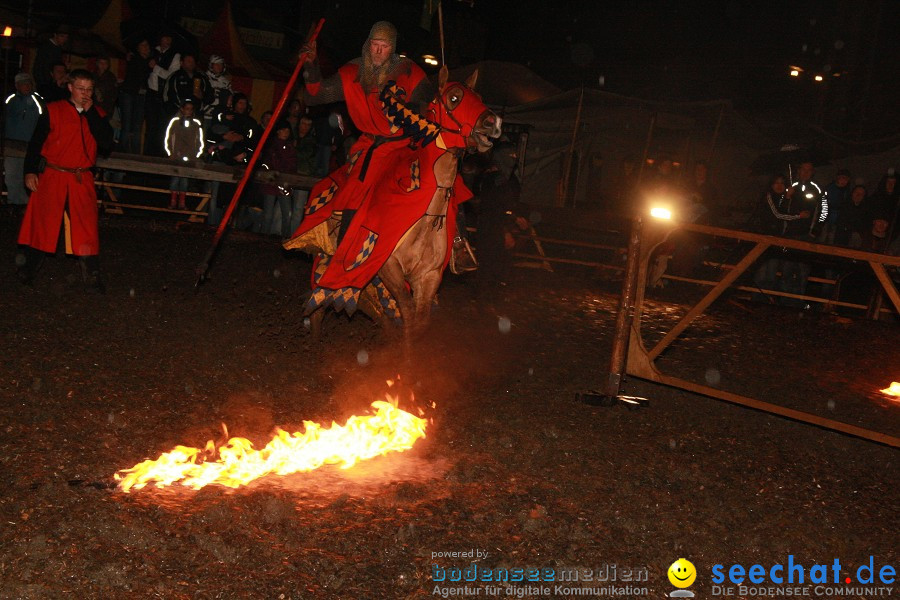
(65, 144)
(359, 83)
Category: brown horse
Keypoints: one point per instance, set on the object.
(417, 200)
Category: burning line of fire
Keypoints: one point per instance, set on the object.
(893, 390)
(236, 462)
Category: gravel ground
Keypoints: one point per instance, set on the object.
(512, 467)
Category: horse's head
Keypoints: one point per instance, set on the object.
(464, 119)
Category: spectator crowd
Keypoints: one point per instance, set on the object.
(167, 105)
(843, 213)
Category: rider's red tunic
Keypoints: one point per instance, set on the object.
(365, 111)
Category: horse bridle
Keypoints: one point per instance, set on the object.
(449, 111)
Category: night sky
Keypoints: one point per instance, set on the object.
(661, 50)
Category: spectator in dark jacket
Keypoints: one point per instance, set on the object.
(772, 217)
(306, 146)
(48, 54)
(854, 226)
(773, 213)
(498, 206)
(885, 204)
(279, 155)
(58, 86)
(240, 129)
(106, 87)
(808, 200)
(188, 83)
(133, 97)
(837, 194)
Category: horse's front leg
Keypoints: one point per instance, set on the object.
(424, 291)
(391, 274)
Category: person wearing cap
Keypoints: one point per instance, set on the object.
(48, 54)
(220, 83)
(58, 164)
(22, 110)
(359, 83)
(184, 143)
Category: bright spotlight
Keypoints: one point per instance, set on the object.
(659, 212)
(430, 60)
(795, 73)
(819, 78)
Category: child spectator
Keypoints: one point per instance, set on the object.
(265, 119)
(184, 143)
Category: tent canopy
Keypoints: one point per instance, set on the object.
(506, 84)
(223, 39)
(109, 26)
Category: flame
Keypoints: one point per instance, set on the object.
(236, 463)
(893, 390)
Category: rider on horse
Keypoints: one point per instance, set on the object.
(359, 83)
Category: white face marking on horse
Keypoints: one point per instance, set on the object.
(487, 127)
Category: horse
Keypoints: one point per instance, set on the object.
(391, 258)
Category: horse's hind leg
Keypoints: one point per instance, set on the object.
(315, 323)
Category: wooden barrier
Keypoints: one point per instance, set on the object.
(641, 362)
(152, 165)
(774, 241)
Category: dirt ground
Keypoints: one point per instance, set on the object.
(512, 465)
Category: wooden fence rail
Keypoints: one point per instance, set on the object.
(196, 169)
(641, 362)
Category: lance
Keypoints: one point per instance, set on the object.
(203, 268)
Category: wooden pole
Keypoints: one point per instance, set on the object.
(441, 32)
(625, 316)
(647, 148)
(564, 188)
(715, 137)
(204, 266)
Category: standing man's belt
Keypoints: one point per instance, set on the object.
(76, 171)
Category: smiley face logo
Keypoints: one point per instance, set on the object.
(682, 573)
